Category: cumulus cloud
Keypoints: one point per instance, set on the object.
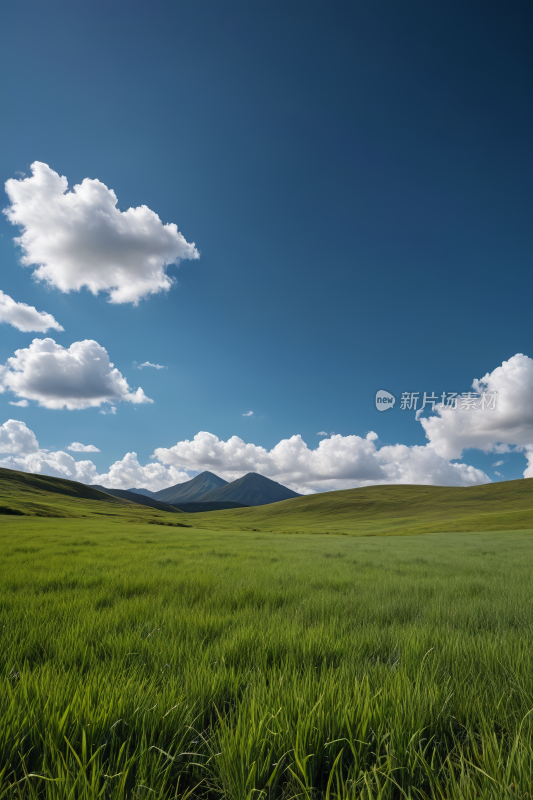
(25, 455)
(508, 426)
(110, 410)
(24, 317)
(79, 238)
(149, 364)
(58, 465)
(340, 462)
(248, 414)
(322, 433)
(80, 376)
(128, 473)
(19, 403)
(17, 439)
(77, 447)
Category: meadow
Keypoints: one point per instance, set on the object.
(147, 661)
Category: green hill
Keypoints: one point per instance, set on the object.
(195, 508)
(250, 490)
(389, 510)
(140, 499)
(374, 510)
(23, 493)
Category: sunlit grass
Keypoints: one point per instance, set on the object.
(147, 661)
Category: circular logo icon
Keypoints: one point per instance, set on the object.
(384, 400)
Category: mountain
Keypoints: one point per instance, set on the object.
(250, 490)
(145, 492)
(140, 499)
(192, 490)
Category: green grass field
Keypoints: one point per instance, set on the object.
(145, 661)
(389, 510)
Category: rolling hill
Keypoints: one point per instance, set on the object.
(250, 490)
(375, 510)
(140, 499)
(380, 510)
(195, 508)
(28, 494)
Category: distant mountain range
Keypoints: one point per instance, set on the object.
(140, 499)
(145, 492)
(250, 490)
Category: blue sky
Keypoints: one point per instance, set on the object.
(357, 180)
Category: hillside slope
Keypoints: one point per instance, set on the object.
(195, 508)
(24, 493)
(375, 510)
(140, 499)
(192, 490)
(389, 509)
(250, 490)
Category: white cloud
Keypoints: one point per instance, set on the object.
(340, 462)
(24, 317)
(19, 403)
(58, 465)
(80, 238)
(77, 447)
(129, 474)
(110, 410)
(248, 414)
(510, 425)
(322, 433)
(17, 439)
(25, 455)
(148, 364)
(499, 474)
(80, 376)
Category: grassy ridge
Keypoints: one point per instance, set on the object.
(146, 661)
(390, 510)
(43, 496)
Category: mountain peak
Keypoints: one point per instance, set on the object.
(252, 489)
(190, 491)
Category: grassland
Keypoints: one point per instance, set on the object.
(148, 661)
(389, 510)
(376, 510)
(27, 494)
